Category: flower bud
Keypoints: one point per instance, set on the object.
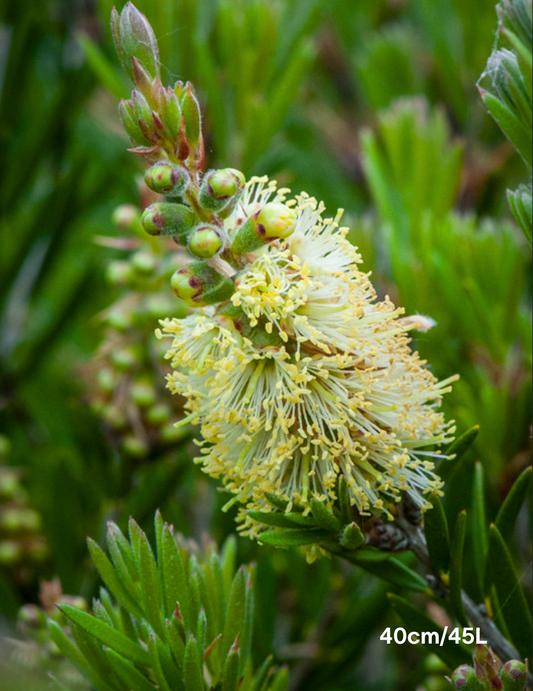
(130, 122)
(192, 114)
(170, 111)
(159, 414)
(143, 262)
(199, 284)
(352, 537)
(119, 273)
(166, 178)
(514, 676)
(274, 220)
(220, 187)
(134, 37)
(126, 216)
(206, 241)
(464, 679)
(164, 218)
(143, 394)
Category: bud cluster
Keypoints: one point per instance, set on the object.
(200, 212)
(21, 541)
(125, 377)
(488, 674)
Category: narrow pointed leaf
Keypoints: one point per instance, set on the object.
(293, 538)
(133, 679)
(278, 520)
(391, 570)
(479, 524)
(151, 588)
(458, 449)
(508, 513)
(262, 674)
(456, 568)
(324, 517)
(106, 635)
(437, 536)
(230, 676)
(235, 613)
(176, 587)
(192, 667)
(113, 580)
(513, 603)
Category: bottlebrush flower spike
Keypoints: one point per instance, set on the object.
(305, 375)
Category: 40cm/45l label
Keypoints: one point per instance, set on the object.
(400, 636)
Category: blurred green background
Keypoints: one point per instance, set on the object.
(371, 106)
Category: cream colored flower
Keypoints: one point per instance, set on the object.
(305, 374)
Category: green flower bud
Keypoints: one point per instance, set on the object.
(514, 676)
(198, 284)
(130, 122)
(9, 484)
(220, 188)
(119, 273)
(124, 359)
(171, 434)
(106, 380)
(144, 262)
(192, 114)
(464, 679)
(134, 447)
(158, 414)
(143, 394)
(10, 552)
(206, 241)
(164, 218)
(118, 318)
(278, 220)
(352, 537)
(134, 37)
(274, 220)
(166, 178)
(126, 216)
(170, 111)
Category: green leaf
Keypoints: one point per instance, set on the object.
(151, 588)
(389, 569)
(281, 681)
(113, 580)
(437, 536)
(344, 500)
(279, 520)
(156, 667)
(456, 568)
(106, 635)
(508, 513)
(69, 650)
(293, 538)
(457, 449)
(324, 517)
(230, 676)
(192, 667)
(175, 583)
(245, 641)
(479, 524)
(235, 613)
(514, 130)
(352, 537)
(262, 674)
(133, 679)
(514, 608)
(450, 653)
